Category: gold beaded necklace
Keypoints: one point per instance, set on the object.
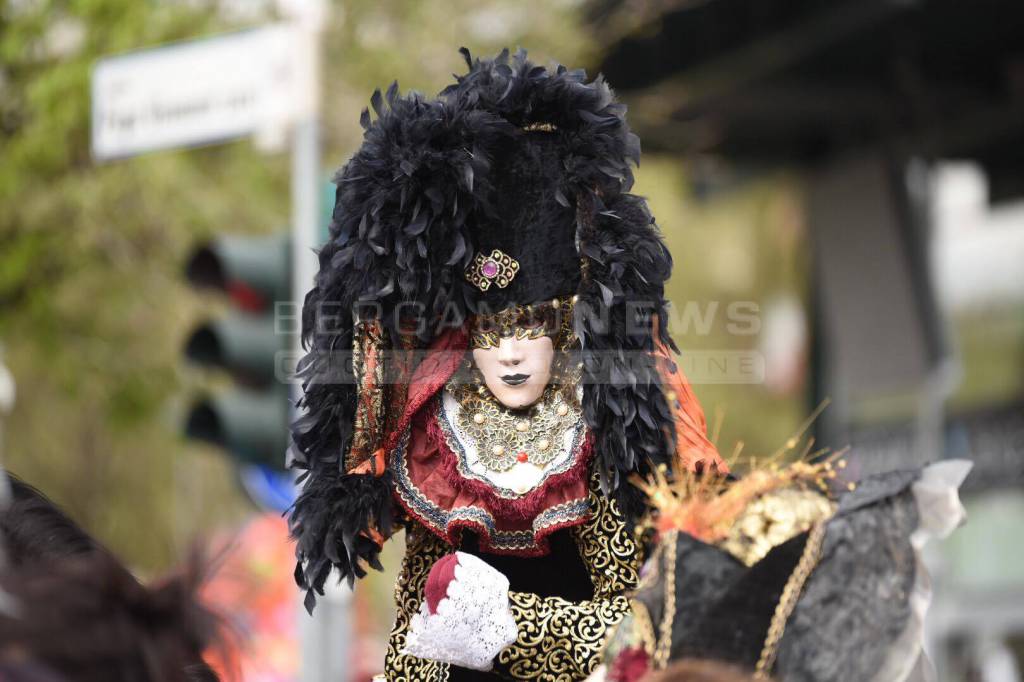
(506, 437)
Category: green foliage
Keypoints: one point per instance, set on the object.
(92, 303)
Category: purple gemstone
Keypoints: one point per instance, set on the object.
(489, 269)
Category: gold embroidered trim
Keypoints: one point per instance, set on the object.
(422, 550)
(561, 640)
(643, 625)
(664, 647)
(550, 318)
(787, 602)
(454, 442)
(368, 370)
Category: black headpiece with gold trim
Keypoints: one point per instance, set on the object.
(526, 244)
(515, 173)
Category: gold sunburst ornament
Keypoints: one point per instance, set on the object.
(777, 497)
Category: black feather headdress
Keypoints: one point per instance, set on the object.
(428, 190)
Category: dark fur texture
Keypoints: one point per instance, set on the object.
(87, 619)
(403, 232)
(623, 402)
(35, 530)
(529, 223)
(71, 612)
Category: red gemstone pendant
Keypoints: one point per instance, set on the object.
(522, 457)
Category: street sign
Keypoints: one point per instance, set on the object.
(195, 92)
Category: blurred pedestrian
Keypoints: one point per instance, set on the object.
(34, 530)
(71, 612)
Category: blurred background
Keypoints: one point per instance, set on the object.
(841, 183)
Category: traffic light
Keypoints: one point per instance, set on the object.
(252, 344)
(250, 419)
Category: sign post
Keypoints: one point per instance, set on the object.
(7, 394)
(6, 400)
(325, 637)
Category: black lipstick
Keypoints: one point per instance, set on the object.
(515, 379)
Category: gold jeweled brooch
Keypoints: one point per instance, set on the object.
(498, 268)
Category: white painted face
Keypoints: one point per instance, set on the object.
(516, 370)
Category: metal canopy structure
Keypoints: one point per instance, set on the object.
(856, 93)
(769, 81)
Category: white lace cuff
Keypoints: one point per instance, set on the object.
(473, 622)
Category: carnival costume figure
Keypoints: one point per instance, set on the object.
(788, 576)
(488, 363)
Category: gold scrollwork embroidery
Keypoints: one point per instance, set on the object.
(423, 548)
(790, 595)
(561, 641)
